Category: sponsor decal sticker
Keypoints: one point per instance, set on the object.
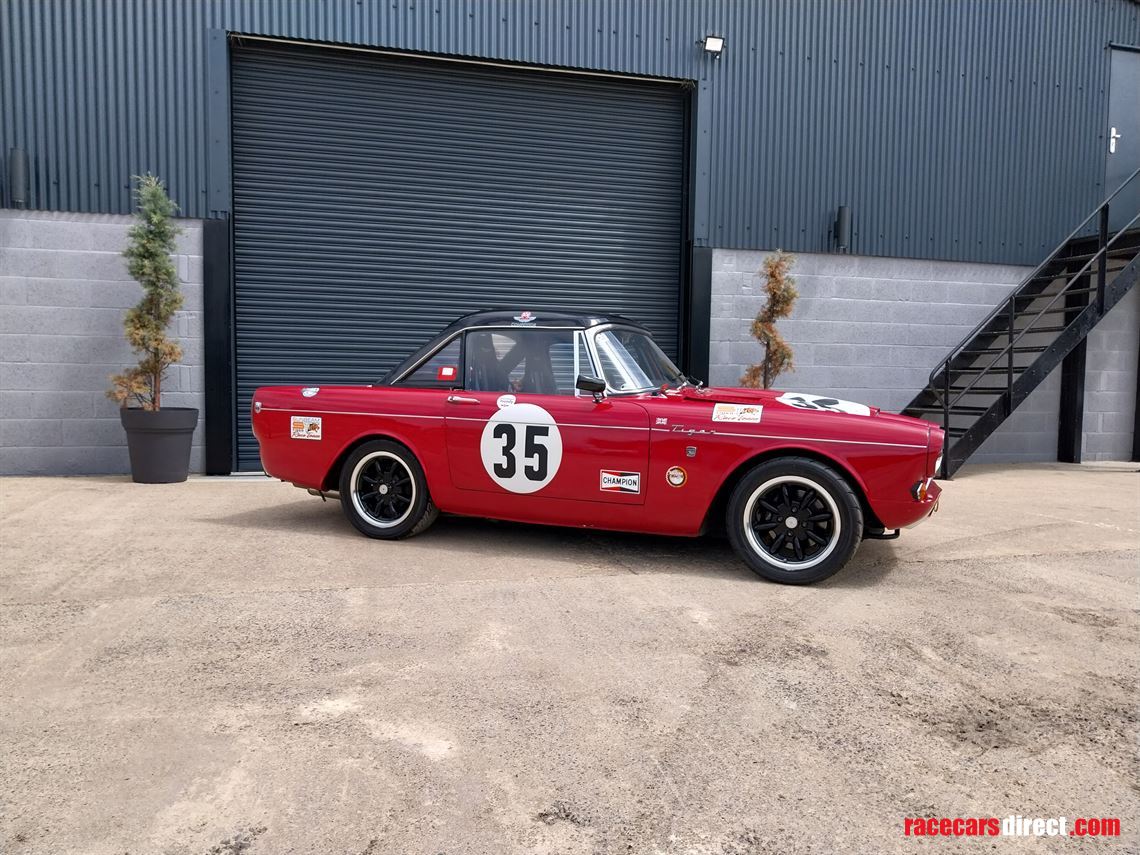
(822, 403)
(676, 476)
(526, 318)
(505, 401)
(446, 372)
(620, 482)
(305, 427)
(737, 413)
(521, 448)
(310, 391)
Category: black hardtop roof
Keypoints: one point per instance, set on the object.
(549, 318)
(518, 318)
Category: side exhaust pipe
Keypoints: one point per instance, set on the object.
(325, 495)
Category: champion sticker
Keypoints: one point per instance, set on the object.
(505, 401)
(310, 391)
(822, 403)
(676, 476)
(620, 482)
(446, 372)
(521, 448)
(737, 413)
(305, 427)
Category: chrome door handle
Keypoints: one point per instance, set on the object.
(461, 399)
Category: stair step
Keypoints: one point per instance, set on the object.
(1061, 328)
(1117, 250)
(981, 390)
(1028, 311)
(1053, 310)
(1069, 272)
(958, 410)
(999, 368)
(982, 351)
(1034, 330)
(1048, 295)
(956, 432)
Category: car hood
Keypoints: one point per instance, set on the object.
(801, 400)
(805, 401)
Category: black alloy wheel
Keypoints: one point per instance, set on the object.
(383, 491)
(794, 520)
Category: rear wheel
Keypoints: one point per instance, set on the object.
(794, 520)
(384, 493)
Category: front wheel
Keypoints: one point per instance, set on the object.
(384, 493)
(794, 520)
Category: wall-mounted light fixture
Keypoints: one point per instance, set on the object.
(713, 45)
(843, 228)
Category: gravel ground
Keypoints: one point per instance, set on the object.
(225, 666)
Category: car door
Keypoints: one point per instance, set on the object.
(518, 426)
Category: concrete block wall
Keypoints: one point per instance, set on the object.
(1030, 434)
(871, 329)
(1110, 381)
(63, 290)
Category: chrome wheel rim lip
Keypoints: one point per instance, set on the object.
(358, 505)
(754, 541)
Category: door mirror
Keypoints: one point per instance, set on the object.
(596, 386)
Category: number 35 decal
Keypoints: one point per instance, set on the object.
(521, 448)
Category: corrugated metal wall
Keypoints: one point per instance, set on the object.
(377, 199)
(957, 130)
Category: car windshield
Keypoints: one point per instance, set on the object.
(632, 362)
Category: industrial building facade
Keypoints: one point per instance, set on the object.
(353, 176)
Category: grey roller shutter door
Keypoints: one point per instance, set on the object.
(378, 198)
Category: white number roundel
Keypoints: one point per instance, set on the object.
(521, 448)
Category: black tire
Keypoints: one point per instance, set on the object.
(400, 506)
(781, 511)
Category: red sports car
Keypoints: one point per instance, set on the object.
(582, 420)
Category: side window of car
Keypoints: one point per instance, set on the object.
(567, 361)
(442, 371)
(537, 361)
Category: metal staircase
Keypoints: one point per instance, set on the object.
(995, 368)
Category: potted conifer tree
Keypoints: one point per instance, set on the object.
(158, 437)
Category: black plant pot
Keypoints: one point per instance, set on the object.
(159, 443)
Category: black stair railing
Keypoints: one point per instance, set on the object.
(940, 381)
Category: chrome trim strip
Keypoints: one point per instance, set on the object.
(800, 438)
(557, 423)
(303, 410)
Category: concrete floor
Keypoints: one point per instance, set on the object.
(225, 666)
